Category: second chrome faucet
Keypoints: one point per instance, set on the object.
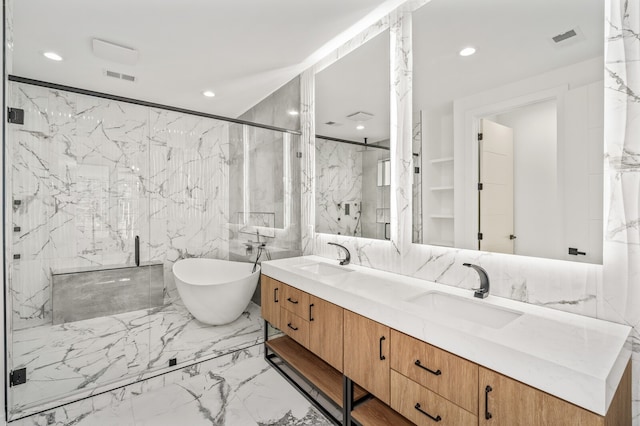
(483, 291)
(347, 255)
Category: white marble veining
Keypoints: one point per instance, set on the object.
(90, 174)
(619, 293)
(74, 360)
(338, 182)
(576, 358)
(237, 389)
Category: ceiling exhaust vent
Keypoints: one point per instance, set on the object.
(120, 76)
(360, 116)
(569, 37)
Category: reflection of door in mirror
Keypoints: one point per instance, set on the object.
(516, 81)
(495, 187)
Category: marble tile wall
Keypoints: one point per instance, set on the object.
(609, 291)
(188, 189)
(90, 174)
(619, 291)
(338, 182)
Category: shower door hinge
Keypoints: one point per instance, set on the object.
(18, 377)
(416, 170)
(15, 115)
(479, 236)
(299, 154)
(479, 186)
(479, 136)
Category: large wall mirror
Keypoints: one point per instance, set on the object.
(352, 157)
(508, 97)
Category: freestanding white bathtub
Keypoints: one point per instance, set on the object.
(215, 291)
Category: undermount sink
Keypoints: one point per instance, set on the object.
(477, 312)
(321, 268)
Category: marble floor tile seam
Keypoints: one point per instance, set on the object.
(243, 391)
(122, 384)
(70, 399)
(245, 332)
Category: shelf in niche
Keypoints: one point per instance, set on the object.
(442, 160)
(442, 188)
(441, 216)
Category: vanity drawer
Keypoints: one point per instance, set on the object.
(294, 326)
(295, 301)
(448, 375)
(417, 403)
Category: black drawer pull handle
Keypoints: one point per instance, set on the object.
(310, 315)
(292, 327)
(295, 302)
(487, 414)
(382, 357)
(435, 419)
(275, 295)
(437, 372)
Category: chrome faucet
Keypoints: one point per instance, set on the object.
(483, 291)
(347, 257)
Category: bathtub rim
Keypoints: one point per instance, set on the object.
(208, 275)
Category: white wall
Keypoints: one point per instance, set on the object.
(536, 219)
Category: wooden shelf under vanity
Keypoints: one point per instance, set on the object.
(324, 377)
(374, 412)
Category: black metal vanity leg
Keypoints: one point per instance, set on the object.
(347, 406)
(266, 331)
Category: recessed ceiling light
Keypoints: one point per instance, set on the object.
(467, 51)
(293, 112)
(53, 56)
(208, 93)
(360, 127)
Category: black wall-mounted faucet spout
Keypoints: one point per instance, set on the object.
(483, 291)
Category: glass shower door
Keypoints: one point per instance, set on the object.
(78, 317)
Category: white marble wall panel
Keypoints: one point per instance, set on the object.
(619, 295)
(189, 189)
(338, 181)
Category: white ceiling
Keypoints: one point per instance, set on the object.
(512, 38)
(243, 50)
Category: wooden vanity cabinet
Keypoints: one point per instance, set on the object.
(446, 374)
(326, 331)
(366, 360)
(504, 401)
(270, 299)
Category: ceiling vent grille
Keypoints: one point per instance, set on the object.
(120, 76)
(567, 38)
(564, 36)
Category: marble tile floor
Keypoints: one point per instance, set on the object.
(70, 361)
(238, 389)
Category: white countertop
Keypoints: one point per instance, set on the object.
(576, 358)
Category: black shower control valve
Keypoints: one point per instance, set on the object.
(574, 251)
